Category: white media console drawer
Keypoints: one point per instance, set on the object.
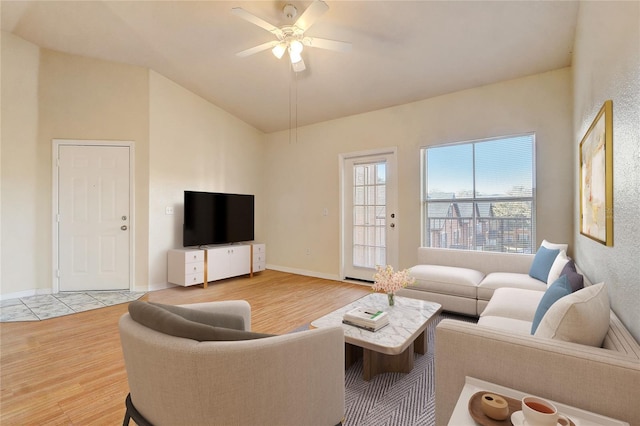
(185, 266)
(259, 258)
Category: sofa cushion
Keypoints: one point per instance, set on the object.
(507, 324)
(164, 321)
(575, 279)
(514, 303)
(542, 263)
(555, 292)
(216, 319)
(581, 317)
(446, 279)
(497, 280)
(556, 268)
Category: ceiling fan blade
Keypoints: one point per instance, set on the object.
(256, 49)
(323, 43)
(241, 13)
(309, 16)
(298, 66)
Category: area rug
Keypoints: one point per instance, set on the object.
(395, 398)
(46, 306)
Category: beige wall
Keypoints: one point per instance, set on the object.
(303, 174)
(49, 95)
(83, 98)
(607, 66)
(60, 96)
(19, 175)
(194, 146)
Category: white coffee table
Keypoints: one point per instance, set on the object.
(391, 348)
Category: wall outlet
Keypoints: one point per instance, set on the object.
(308, 252)
(325, 212)
(168, 210)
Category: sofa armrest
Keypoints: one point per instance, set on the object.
(235, 307)
(594, 379)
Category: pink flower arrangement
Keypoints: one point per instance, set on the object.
(388, 281)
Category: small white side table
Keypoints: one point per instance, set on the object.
(461, 416)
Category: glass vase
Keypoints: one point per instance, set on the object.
(391, 298)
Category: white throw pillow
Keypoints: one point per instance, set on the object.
(554, 246)
(557, 267)
(581, 317)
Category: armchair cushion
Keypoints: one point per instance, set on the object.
(216, 319)
(167, 322)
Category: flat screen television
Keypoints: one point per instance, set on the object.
(217, 218)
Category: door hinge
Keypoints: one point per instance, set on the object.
(58, 218)
(57, 273)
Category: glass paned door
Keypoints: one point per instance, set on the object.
(369, 216)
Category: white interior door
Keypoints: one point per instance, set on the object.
(369, 214)
(93, 217)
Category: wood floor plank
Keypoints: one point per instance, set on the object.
(69, 370)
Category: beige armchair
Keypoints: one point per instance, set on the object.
(293, 379)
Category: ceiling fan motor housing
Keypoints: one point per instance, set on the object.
(290, 11)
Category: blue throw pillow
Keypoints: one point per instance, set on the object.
(557, 290)
(542, 263)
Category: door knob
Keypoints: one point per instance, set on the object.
(123, 227)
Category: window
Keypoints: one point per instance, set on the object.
(480, 195)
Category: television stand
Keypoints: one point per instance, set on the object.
(192, 265)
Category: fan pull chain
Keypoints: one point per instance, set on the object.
(293, 109)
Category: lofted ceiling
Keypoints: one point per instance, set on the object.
(403, 51)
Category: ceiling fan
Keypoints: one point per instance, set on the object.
(291, 38)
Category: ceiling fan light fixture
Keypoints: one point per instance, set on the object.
(296, 46)
(295, 57)
(278, 50)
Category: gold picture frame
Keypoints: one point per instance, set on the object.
(596, 178)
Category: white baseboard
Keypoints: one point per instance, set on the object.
(305, 272)
(26, 293)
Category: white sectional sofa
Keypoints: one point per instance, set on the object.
(581, 354)
(500, 349)
(463, 281)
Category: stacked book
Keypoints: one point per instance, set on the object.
(369, 319)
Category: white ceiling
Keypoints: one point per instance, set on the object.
(402, 51)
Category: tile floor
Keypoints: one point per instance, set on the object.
(41, 307)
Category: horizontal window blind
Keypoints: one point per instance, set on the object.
(480, 195)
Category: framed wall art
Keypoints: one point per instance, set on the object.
(596, 178)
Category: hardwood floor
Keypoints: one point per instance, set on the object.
(69, 370)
